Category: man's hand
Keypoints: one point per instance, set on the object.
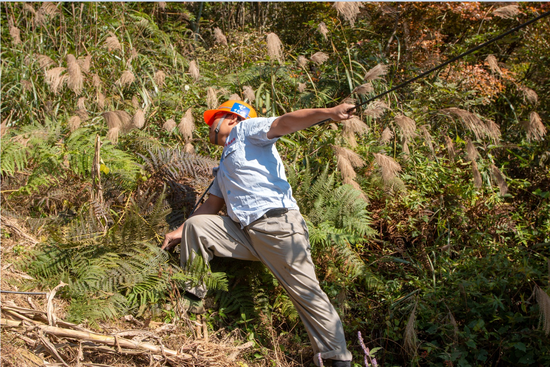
(342, 112)
(172, 239)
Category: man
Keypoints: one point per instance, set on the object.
(264, 222)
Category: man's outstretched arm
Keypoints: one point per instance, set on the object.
(302, 119)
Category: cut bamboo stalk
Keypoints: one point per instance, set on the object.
(99, 338)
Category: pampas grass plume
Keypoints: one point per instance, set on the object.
(139, 119)
(478, 182)
(112, 135)
(112, 43)
(470, 120)
(543, 301)
(319, 58)
(363, 89)
(74, 123)
(407, 126)
(135, 102)
(410, 338)
(535, 128)
(234, 97)
(15, 34)
(211, 98)
(471, 151)
(169, 125)
(274, 47)
(376, 109)
(427, 138)
(81, 103)
(353, 158)
(126, 79)
(450, 147)
(301, 87)
(45, 61)
(322, 28)
(194, 70)
(500, 180)
(493, 64)
(219, 37)
(348, 10)
(75, 81)
(529, 95)
(159, 79)
(189, 148)
(249, 93)
(55, 79)
(507, 12)
(96, 81)
(376, 72)
(85, 63)
(302, 61)
(100, 100)
(388, 167)
(187, 125)
(493, 131)
(387, 136)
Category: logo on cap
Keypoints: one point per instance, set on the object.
(240, 109)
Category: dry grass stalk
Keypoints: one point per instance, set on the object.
(500, 179)
(274, 47)
(96, 81)
(234, 97)
(219, 37)
(319, 58)
(74, 123)
(407, 126)
(348, 10)
(187, 125)
(302, 61)
(85, 63)
(427, 138)
(211, 98)
(376, 72)
(409, 338)
(388, 167)
(159, 78)
(135, 102)
(81, 104)
(112, 135)
(133, 54)
(376, 109)
(169, 125)
(529, 95)
(363, 89)
(478, 182)
(75, 81)
(450, 147)
(471, 151)
(249, 93)
(55, 79)
(126, 79)
(322, 28)
(470, 120)
(194, 70)
(353, 158)
(493, 131)
(112, 43)
(507, 12)
(15, 34)
(189, 148)
(100, 100)
(387, 136)
(139, 119)
(493, 64)
(44, 61)
(535, 128)
(301, 87)
(543, 301)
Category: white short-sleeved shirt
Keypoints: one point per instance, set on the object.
(251, 176)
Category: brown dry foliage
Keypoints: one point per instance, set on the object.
(493, 64)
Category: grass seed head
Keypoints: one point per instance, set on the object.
(302, 61)
(535, 128)
(75, 80)
(507, 12)
(56, 79)
(355, 125)
(187, 125)
(81, 103)
(364, 89)
(376, 72)
(407, 126)
(85, 63)
(44, 61)
(135, 102)
(15, 34)
(387, 136)
(100, 100)
(219, 37)
(471, 151)
(348, 10)
(376, 109)
(493, 64)
(96, 81)
(345, 167)
(139, 119)
(249, 93)
(410, 339)
(234, 97)
(529, 95)
(274, 47)
(478, 182)
(322, 28)
(450, 147)
(543, 301)
(112, 43)
(194, 70)
(319, 58)
(162, 5)
(500, 180)
(301, 87)
(159, 78)
(427, 138)
(470, 120)
(493, 131)
(355, 159)
(26, 85)
(169, 125)
(406, 150)
(112, 134)
(74, 123)
(49, 9)
(126, 79)
(189, 148)
(388, 167)
(211, 98)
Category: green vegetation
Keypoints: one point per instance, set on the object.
(429, 215)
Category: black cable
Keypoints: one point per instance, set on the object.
(33, 293)
(446, 62)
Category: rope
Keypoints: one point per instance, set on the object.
(446, 63)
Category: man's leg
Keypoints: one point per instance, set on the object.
(213, 235)
(282, 244)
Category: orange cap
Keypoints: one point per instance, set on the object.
(238, 108)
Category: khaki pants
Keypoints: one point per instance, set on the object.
(282, 244)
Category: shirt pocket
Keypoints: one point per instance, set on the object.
(233, 157)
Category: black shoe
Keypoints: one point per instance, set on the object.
(336, 363)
